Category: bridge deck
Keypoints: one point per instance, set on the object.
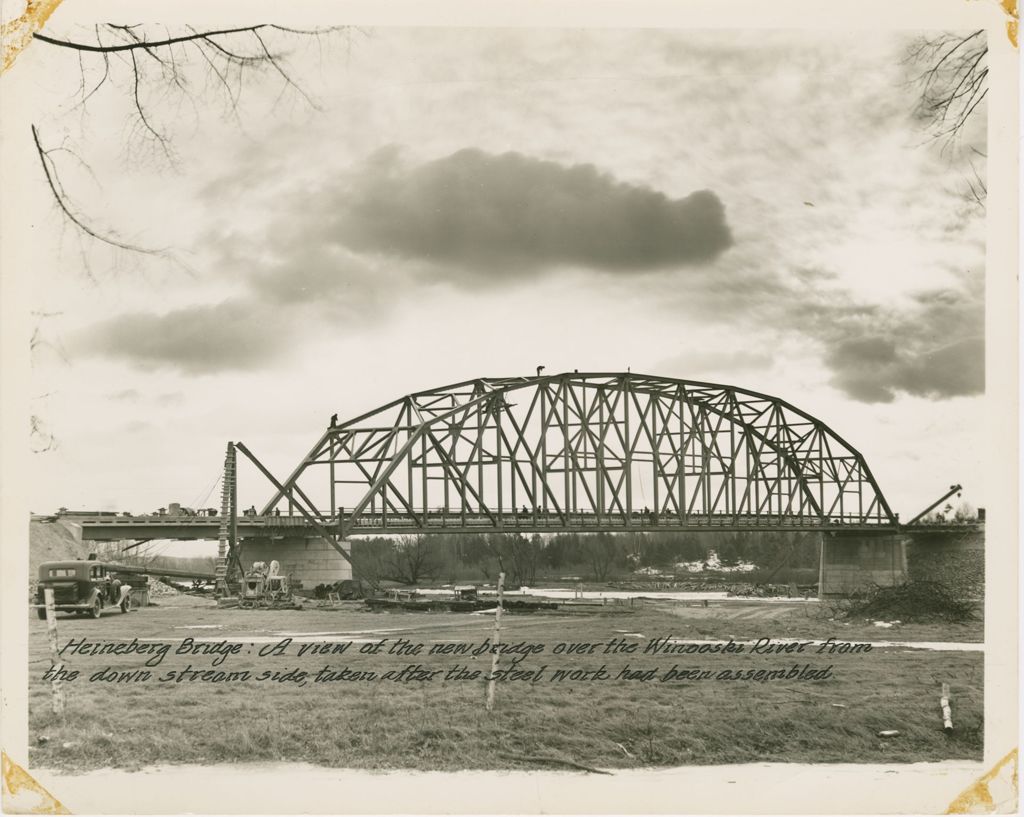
(208, 527)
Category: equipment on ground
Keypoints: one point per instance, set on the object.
(264, 587)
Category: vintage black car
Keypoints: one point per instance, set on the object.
(83, 587)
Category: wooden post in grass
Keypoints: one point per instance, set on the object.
(51, 631)
(497, 641)
(947, 715)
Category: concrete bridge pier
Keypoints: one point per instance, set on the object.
(859, 561)
(954, 558)
(306, 559)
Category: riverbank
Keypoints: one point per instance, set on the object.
(408, 690)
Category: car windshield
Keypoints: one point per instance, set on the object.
(61, 572)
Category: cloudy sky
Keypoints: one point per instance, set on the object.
(760, 209)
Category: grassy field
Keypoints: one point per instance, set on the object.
(442, 724)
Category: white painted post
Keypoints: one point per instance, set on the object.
(822, 551)
(497, 641)
(51, 631)
(947, 715)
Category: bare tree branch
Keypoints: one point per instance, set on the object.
(223, 80)
(61, 198)
(952, 80)
(224, 54)
(137, 44)
(977, 190)
(40, 439)
(103, 79)
(273, 61)
(151, 87)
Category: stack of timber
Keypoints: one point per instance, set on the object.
(468, 603)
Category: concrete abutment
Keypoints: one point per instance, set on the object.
(852, 562)
(306, 559)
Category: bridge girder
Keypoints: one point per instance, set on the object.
(607, 447)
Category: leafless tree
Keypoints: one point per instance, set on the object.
(950, 71)
(952, 74)
(601, 551)
(41, 438)
(160, 72)
(517, 556)
(530, 553)
(976, 190)
(412, 559)
(965, 512)
(369, 562)
(524, 555)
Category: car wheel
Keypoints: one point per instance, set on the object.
(96, 609)
(126, 605)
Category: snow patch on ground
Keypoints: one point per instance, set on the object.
(712, 563)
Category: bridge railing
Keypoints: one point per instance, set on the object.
(553, 520)
(512, 520)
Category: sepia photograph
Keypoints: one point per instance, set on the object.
(597, 413)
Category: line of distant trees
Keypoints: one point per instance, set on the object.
(599, 556)
(963, 512)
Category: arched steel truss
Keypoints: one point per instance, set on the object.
(582, 452)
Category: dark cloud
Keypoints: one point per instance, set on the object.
(508, 214)
(953, 370)
(343, 255)
(338, 284)
(328, 257)
(863, 368)
(934, 348)
(235, 334)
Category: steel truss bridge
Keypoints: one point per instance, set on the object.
(565, 453)
(578, 452)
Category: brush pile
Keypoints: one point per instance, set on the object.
(158, 588)
(915, 601)
(685, 585)
(791, 591)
